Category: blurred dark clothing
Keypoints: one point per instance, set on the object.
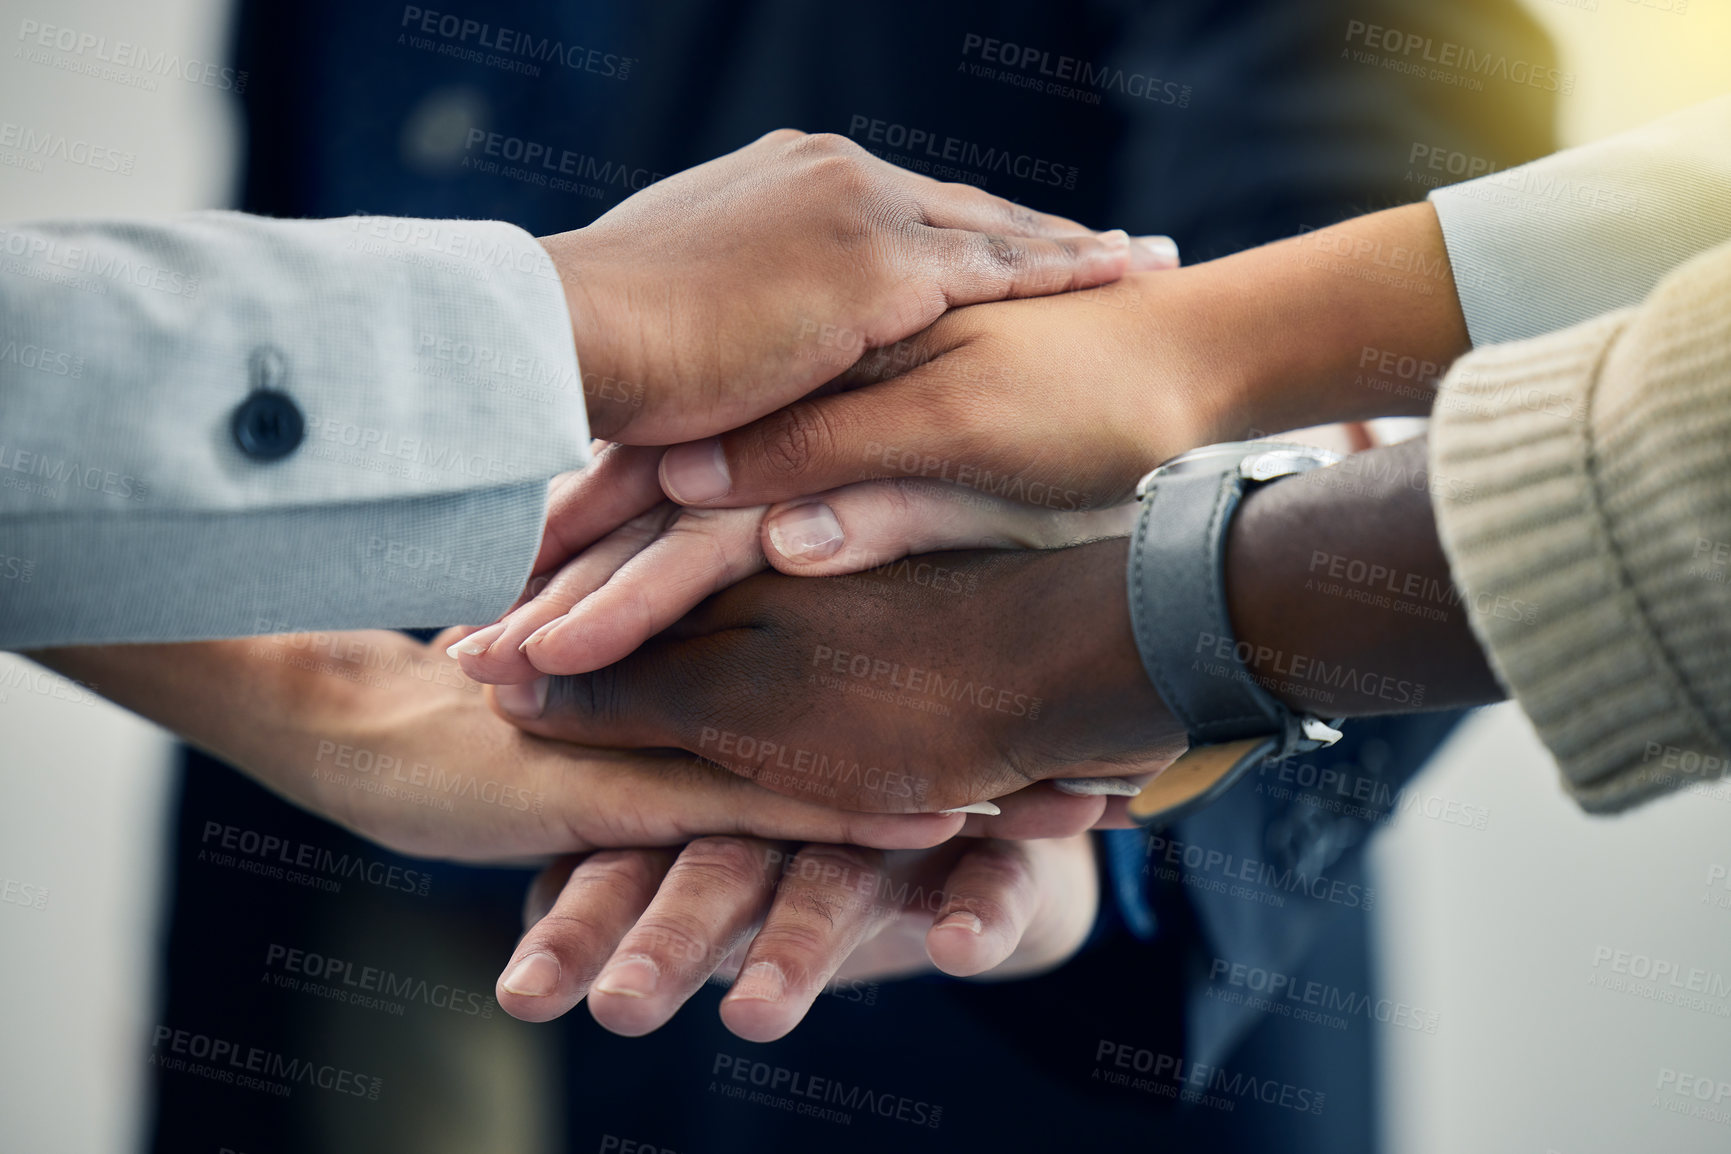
(1223, 124)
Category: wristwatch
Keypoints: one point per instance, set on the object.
(1177, 591)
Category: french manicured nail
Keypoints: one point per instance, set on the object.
(695, 473)
(961, 920)
(806, 532)
(540, 634)
(630, 978)
(476, 643)
(1098, 786)
(535, 976)
(1153, 252)
(761, 982)
(988, 808)
(527, 700)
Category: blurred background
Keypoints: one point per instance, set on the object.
(1495, 929)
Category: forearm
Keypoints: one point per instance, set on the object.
(258, 703)
(1350, 322)
(1340, 593)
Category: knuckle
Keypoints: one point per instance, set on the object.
(1004, 253)
(674, 937)
(583, 695)
(622, 874)
(796, 438)
(782, 136)
(726, 864)
(794, 948)
(998, 876)
(830, 144)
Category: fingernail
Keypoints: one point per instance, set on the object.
(985, 807)
(1153, 252)
(1098, 786)
(535, 976)
(630, 978)
(761, 982)
(527, 700)
(961, 920)
(806, 532)
(540, 634)
(695, 473)
(476, 643)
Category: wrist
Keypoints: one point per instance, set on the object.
(1105, 700)
(582, 268)
(1351, 322)
(1191, 380)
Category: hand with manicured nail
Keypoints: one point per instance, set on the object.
(638, 932)
(951, 679)
(384, 736)
(1060, 403)
(725, 291)
(618, 592)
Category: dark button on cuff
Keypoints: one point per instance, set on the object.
(268, 425)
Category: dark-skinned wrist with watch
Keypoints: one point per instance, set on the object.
(875, 692)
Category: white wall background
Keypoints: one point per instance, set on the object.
(83, 784)
(1496, 929)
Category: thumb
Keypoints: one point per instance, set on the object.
(917, 425)
(875, 523)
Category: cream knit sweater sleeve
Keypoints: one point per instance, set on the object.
(1587, 519)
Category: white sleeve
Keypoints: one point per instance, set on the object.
(1556, 242)
(223, 424)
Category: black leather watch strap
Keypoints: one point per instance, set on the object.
(1177, 587)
